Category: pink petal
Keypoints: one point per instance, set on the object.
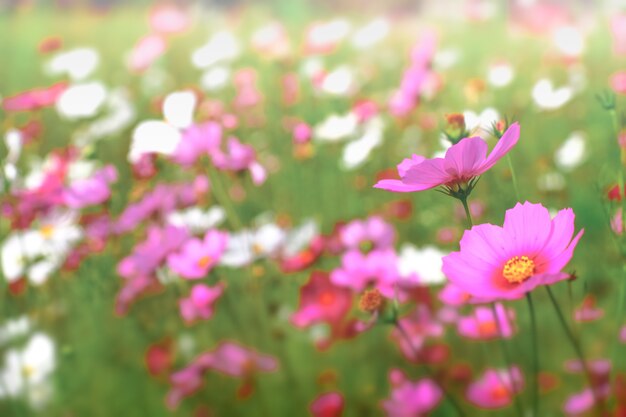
(429, 174)
(504, 145)
(465, 158)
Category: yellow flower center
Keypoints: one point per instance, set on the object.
(28, 371)
(204, 261)
(518, 269)
(47, 230)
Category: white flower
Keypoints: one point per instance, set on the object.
(335, 127)
(370, 34)
(339, 82)
(547, 98)
(215, 78)
(120, 115)
(14, 328)
(446, 58)
(27, 370)
(223, 46)
(246, 246)
(37, 253)
(569, 41)
(500, 74)
(425, 262)
(551, 181)
(356, 152)
(481, 123)
(572, 152)
(163, 136)
(81, 100)
(325, 35)
(78, 63)
(300, 237)
(196, 220)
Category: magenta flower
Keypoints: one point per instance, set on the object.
(199, 304)
(322, 302)
(410, 399)
(482, 324)
(90, 191)
(581, 402)
(34, 99)
(239, 157)
(462, 163)
(185, 383)
(327, 405)
(238, 361)
(197, 140)
(529, 250)
(377, 269)
(373, 232)
(197, 257)
(588, 311)
(495, 388)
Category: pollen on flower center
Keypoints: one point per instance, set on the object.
(518, 269)
(204, 261)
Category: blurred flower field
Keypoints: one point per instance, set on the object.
(300, 208)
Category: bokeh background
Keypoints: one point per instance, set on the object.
(542, 63)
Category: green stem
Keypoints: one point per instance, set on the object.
(578, 349)
(535, 355)
(513, 177)
(507, 360)
(223, 199)
(428, 371)
(467, 211)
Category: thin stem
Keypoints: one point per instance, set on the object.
(428, 371)
(513, 177)
(507, 360)
(467, 211)
(578, 349)
(535, 355)
(223, 199)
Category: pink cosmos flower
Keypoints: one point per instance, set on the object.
(197, 257)
(34, 99)
(301, 133)
(199, 304)
(90, 191)
(529, 250)
(482, 324)
(618, 29)
(185, 383)
(416, 77)
(495, 388)
(419, 325)
(168, 19)
(148, 255)
(327, 405)
(373, 232)
(198, 139)
(239, 157)
(322, 302)
(463, 162)
(377, 269)
(147, 50)
(583, 401)
(238, 361)
(410, 399)
(588, 311)
(618, 82)
(304, 258)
